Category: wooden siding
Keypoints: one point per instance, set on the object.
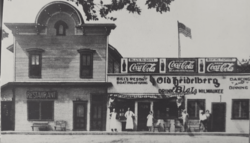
(60, 59)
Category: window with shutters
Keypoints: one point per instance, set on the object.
(194, 106)
(240, 108)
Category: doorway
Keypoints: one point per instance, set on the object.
(98, 112)
(7, 115)
(80, 115)
(143, 111)
(218, 117)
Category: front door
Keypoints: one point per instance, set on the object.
(218, 117)
(143, 111)
(98, 112)
(80, 115)
(7, 115)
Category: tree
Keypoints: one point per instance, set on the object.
(91, 8)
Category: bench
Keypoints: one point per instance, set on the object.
(61, 125)
(40, 125)
(194, 125)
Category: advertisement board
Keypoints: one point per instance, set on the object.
(181, 65)
(220, 65)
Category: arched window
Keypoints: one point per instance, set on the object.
(60, 27)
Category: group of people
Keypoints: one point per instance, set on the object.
(129, 120)
(204, 120)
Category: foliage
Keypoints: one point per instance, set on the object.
(91, 8)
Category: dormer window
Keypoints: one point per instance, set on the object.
(60, 27)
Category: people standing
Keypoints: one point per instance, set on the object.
(208, 121)
(113, 122)
(129, 120)
(185, 117)
(150, 118)
(203, 119)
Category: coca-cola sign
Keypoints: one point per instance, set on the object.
(181, 65)
(143, 65)
(220, 65)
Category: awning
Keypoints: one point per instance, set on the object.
(143, 95)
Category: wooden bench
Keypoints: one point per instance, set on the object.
(43, 125)
(194, 125)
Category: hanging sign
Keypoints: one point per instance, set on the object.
(220, 65)
(182, 65)
(41, 94)
(141, 65)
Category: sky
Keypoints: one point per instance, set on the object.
(219, 28)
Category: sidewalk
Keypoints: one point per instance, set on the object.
(122, 133)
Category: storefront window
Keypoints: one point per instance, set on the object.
(165, 109)
(40, 110)
(194, 106)
(122, 106)
(240, 109)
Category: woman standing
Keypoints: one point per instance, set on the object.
(129, 121)
(113, 122)
(150, 120)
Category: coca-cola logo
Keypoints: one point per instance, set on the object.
(220, 67)
(142, 67)
(183, 65)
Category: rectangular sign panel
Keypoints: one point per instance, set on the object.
(220, 65)
(181, 65)
(142, 65)
(41, 94)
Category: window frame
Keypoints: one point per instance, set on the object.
(57, 27)
(32, 52)
(196, 100)
(90, 53)
(40, 110)
(232, 111)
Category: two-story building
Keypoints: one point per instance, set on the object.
(60, 71)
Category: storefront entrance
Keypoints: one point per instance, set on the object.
(7, 115)
(80, 115)
(218, 117)
(98, 112)
(143, 111)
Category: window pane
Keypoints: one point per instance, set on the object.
(84, 60)
(244, 109)
(37, 59)
(33, 59)
(33, 110)
(236, 109)
(80, 111)
(60, 29)
(47, 110)
(88, 60)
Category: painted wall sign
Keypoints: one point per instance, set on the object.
(220, 65)
(131, 80)
(182, 65)
(141, 96)
(41, 94)
(240, 83)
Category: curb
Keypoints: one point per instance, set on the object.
(123, 133)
